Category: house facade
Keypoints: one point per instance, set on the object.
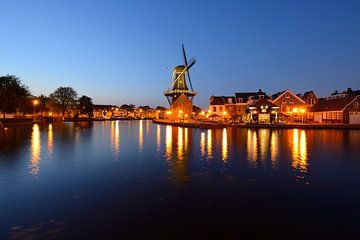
(338, 110)
(292, 108)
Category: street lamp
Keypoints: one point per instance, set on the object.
(35, 102)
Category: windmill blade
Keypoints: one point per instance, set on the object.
(192, 62)
(184, 54)
(186, 65)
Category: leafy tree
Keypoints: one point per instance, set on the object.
(13, 94)
(86, 105)
(145, 108)
(65, 97)
(42, 99)
(127, 107)
(161, 108)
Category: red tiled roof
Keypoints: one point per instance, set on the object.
(337, 104)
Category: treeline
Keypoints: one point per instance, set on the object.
(16, 97)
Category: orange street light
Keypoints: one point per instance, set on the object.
(295, 110)
(302, 110)
(224, 113)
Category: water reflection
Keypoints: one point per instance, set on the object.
(209, 144)
(202, 143)
(158, 138)
(168, 143)
(224, 144)
(50, 139)
(252, 146)
(264, 143)
(274, 147)
(299, 153)
(35, 150)
(117, 139)
(141, 135)
(180, 143)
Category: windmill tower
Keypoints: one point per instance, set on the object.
(178, 94)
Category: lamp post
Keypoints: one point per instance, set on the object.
(302, 115)
(35, 102)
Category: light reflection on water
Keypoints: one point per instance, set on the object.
(35, 150)
(299, 153)
(261, 145)
(50, 139)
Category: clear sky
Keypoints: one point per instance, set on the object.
(124, 51)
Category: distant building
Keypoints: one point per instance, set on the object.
(341, 110)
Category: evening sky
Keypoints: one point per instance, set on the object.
(124, 51)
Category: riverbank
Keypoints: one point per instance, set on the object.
(14, 122)
(210, 125)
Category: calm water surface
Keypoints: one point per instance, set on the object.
(135, 179)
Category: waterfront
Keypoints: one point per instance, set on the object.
(136, 178)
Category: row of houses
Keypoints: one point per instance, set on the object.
(286, 106)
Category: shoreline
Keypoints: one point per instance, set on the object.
(195, 124)
(207, 125)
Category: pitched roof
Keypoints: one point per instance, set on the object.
(307, 93)
(221, 100)
(263, 102)
(274, 96)
(255, 95)
(280, 94)
(336, 104)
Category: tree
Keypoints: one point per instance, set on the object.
(13, 94)
(65, 97)
(127, 107)
(160, 108)
(145, 108)
(86, 105)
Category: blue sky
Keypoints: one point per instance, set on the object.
(123, 51)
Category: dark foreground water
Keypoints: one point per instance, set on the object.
(134, 179)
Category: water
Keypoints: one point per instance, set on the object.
(135, 179)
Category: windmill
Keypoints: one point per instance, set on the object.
(179, 79)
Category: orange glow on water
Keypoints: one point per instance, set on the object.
(141, 135)
(202, 143)
(50, 139)
(299, 152)
(168, 142)
(180, 143)
(35, 150)
(209, 143)
(158, 137)
(252, 148)
(224, 144)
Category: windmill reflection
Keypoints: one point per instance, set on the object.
(35, 150)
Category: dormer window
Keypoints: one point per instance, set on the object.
(261, 96)
(229, 100)
(240, 100)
